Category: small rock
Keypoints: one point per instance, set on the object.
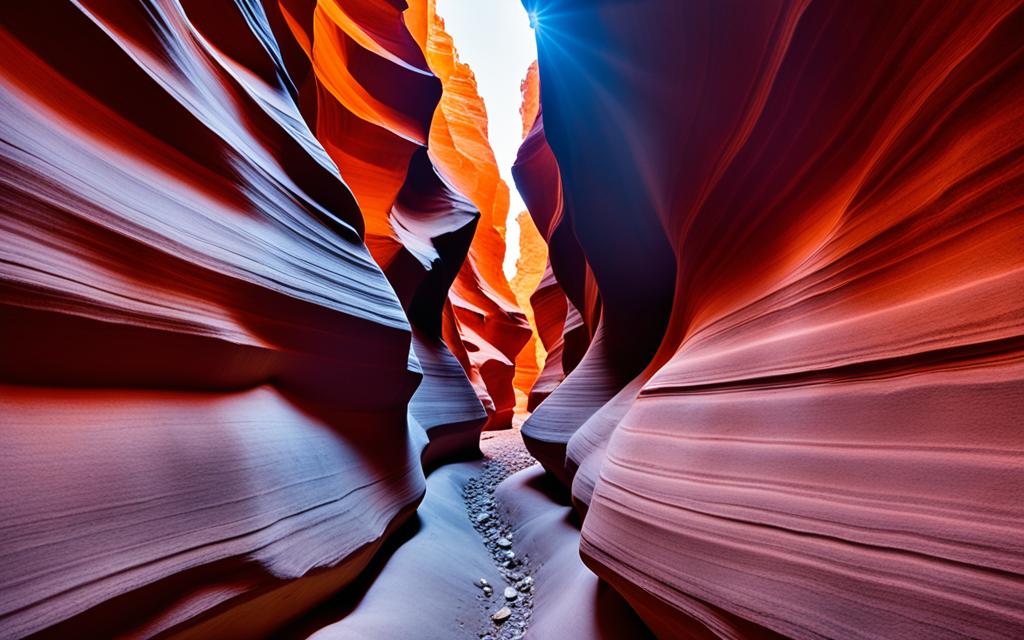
(482, 583)
(504, 542)
(488, 591)
(510, 555)
(525, 584)
(483, 517)
(501, 615)
(511, 593)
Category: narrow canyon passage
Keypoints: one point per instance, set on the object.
(459, 570)
(501, 319)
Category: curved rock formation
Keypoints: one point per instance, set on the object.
(388, 84)
(435, 226)
(251, 287)
(195, 326)
(566, 287)
(485, 316)
(812, 430)
(205, 374)
(376, 98)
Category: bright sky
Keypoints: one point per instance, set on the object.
(494, 38)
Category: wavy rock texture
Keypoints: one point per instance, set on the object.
(814, 428)
(387, 84)
(375, 100)
(566, 286)
(206, 375)
(418, 591)
(196, 334)
(436, 227)
(251, 284)
(488, 330)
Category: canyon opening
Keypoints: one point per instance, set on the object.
(500, 319)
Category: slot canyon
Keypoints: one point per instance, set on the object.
(733, 349)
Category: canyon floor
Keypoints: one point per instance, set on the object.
(448, 571)
(492, 552)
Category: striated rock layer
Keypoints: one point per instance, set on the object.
(387, 84)
(226, 247)
(566, 287)
(205, 375)
(800, 411)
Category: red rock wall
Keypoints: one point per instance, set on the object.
(809, 349)
(205, 374)
(488, 330)
(214, 399)
(376, 99)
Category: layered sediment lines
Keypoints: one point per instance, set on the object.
(375, 100)
(227, 246)
(810, 330)
(205, 374)
(251, 286)
(388, 85)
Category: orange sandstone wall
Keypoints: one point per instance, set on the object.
(530, 267)
(388, 83)
(488, 330)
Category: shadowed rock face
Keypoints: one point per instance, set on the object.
(227, 244)
(814, 385)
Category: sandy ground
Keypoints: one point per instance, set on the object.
(425, 584)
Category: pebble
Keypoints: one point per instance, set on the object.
(506, 455)
(501, 615)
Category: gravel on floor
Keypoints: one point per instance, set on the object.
(507, 607)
